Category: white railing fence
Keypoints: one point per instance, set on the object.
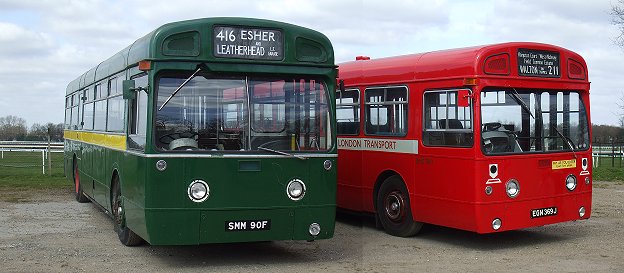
(10, 150)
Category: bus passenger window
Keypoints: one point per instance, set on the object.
(386, 111)
(348, 112)
(445, 122)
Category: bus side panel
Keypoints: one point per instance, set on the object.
(444, 192)
(100, 167)
(132, 176)
(86, 168)
(350, 180)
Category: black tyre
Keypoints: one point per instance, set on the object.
(393, 208)
(126, 236)
(80, 197)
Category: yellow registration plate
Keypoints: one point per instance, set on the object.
(564, 164)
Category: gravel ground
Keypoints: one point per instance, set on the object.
(56, 234)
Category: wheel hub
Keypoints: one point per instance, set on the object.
(395, 206)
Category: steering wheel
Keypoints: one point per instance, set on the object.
(167, 138)
(491, 126)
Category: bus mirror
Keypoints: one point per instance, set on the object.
(129, 90)
(341, 85)
(463, 98)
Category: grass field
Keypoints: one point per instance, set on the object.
(23, 169)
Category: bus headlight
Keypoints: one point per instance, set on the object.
(512, 188)
(198, 191)
(571, 182)
(587, 180)
(295, 189)
(581, 212)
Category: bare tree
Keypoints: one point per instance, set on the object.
(38, 132)
(617, 11)
(12, 128)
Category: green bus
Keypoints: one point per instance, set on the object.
(211, 130)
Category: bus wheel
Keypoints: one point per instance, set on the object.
(393, 208)
(80, 197)
(126, 236)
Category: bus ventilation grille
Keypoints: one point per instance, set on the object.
(575, 70)
(497, 64)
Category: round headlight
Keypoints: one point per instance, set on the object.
(581, 212)
(198, 191)
(496, 224)
(315, 229)
(587, 180)
(295, 189)
(571, 182)
(512, 188)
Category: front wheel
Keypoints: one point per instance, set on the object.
(393, 208)
(126, 236)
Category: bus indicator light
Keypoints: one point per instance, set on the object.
(327, 165)
(497, 224)
(471, 81)
(488, 190)
(314, 229)
(145, 65)
(161, 165)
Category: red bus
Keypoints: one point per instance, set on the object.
(484, 139)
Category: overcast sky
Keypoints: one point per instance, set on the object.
(44, 44)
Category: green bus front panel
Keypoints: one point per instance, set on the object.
(242, 190)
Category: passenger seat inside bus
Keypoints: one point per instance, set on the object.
(452, 124)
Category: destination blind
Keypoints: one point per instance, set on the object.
(248, 43)
(538, 63)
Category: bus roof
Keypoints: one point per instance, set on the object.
(192, 41)
(452, 63)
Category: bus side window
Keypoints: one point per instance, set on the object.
(445, 122)
(386, 111)
(137, 125)
(348, 112)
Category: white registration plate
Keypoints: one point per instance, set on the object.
(248, 225)
(543, 212)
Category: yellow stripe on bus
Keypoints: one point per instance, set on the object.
(101, 139)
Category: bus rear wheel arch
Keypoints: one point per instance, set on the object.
(125, 234)
(393, 208)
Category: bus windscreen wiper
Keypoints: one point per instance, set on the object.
(282, 153)
(565, 139)
(180, 87)
(519, 100)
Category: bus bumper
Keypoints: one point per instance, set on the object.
(532, 213)
(204, 226)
